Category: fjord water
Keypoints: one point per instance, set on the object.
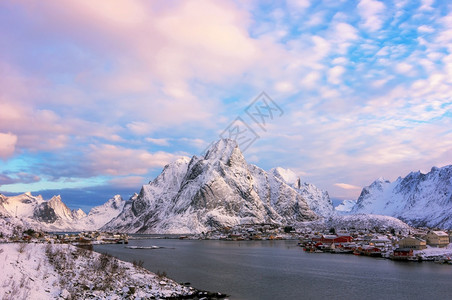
(282, 270)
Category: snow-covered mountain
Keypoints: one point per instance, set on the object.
(38, 209)
(318, 200)
(418, 199)
(345, 206)
(216, 190)
(54, 215)
(100, 215)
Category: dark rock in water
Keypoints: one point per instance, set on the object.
(131, 290)
(205, 295)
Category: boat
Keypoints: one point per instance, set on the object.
(444, 259)
(143, 247)
(345, 248)
(342, 251)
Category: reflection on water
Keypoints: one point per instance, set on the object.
(281, 270)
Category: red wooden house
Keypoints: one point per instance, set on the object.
(402, 254)
(330, 239)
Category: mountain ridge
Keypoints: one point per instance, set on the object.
(54, 215)
(219, 189)
(418, 199)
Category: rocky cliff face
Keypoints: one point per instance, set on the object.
(419, 199)
(216, 190)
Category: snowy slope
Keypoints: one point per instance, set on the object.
(10, 227)
(216, 190)
(368, 221)
(59, 271)
(100, 215)
(346, 206)
(358, 222)
(419, 199)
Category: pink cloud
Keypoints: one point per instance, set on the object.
(120, 161)
(174, 40)
(372, 14)
(335, 74)
(128, 181)
(160, 142)
(11, 178)
(42, 129)
(7, 144)
(154, 49)
(347, 186)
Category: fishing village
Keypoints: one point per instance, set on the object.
(420, 244)
(423, 244)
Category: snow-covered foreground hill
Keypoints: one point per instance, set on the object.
(418, 199)
(46, 271)
(217, 190)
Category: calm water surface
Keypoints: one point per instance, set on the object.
(281, 270)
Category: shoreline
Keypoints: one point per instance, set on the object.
(48, 271)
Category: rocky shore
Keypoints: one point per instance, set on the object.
(60, 271)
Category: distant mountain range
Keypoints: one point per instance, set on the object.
(53, 215)
(220, 189)
(418, 199)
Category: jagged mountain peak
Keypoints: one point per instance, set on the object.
(318, 200)
(24, 197)
(287, 175)
(56, 199)
(78, 214)
(115, 202)
(171, 176)
(181, 161)
(215, 190)
(54, 215)
(60, 209)
(380, 181)
(226, 151)
(419, 199)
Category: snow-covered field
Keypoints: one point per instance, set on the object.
(46, 271)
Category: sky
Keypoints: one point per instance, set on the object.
(96, 97)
